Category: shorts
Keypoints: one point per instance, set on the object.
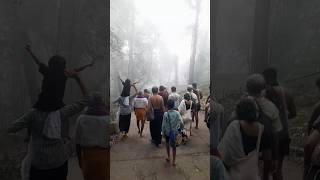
(140, 114)
(167, 141)
(196, 107)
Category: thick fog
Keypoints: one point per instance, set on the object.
(152, 42)
(76, 30)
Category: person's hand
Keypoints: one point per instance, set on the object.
(28, 47)
(91, 64)
(71, 73)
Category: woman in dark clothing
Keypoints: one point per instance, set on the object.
(125, 113)
(156, 103)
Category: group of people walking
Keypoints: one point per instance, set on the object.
(168, 113)
(50, 143)
(254, 141)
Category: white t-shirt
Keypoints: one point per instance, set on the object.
(176, 98)
(140, 102)
(194, 96)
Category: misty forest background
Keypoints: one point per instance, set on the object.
(246, 37)
(137, 51)
(75, 29)
(251, 35)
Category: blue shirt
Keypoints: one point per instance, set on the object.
(171, 119)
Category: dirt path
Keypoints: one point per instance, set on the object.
(137, 159)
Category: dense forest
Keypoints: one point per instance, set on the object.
(77, 30)
(248, 36)
(137, 50)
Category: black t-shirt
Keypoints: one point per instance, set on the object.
(52, 89)
(126, 89)
(250, 142)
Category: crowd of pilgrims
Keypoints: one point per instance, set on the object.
(252, 143)
(170, 115)
(51, 143)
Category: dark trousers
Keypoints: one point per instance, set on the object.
(124, 123)
(59, 173)
(156, 127)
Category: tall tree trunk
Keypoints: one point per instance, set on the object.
(260, 48)
(194, 41)
(214, 137)
(176, 70)
(131, 47)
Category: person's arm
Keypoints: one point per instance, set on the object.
(162, 104)
(36, 60)
(74, 75)
(133, 84)
(291, 107)
(121, 80)
(81, 68)
(21, 123)
(116, 101)
(309, 146)
(135, 90)
(146, 100)
(70, 110)
(149, 104)
(163, 124)
(266, 156)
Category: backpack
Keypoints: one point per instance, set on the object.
(194, 104)
(267, 123)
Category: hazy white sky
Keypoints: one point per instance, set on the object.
(172, 18)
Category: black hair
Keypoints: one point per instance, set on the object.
(155, 89)
(255, 84)
(173, 89)
(246, 110)
(57, 63)
(146, 90)
(162, 88)
(186, 96)
(170, 104)
(194, 85)
(271, 76)
(127, 81)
